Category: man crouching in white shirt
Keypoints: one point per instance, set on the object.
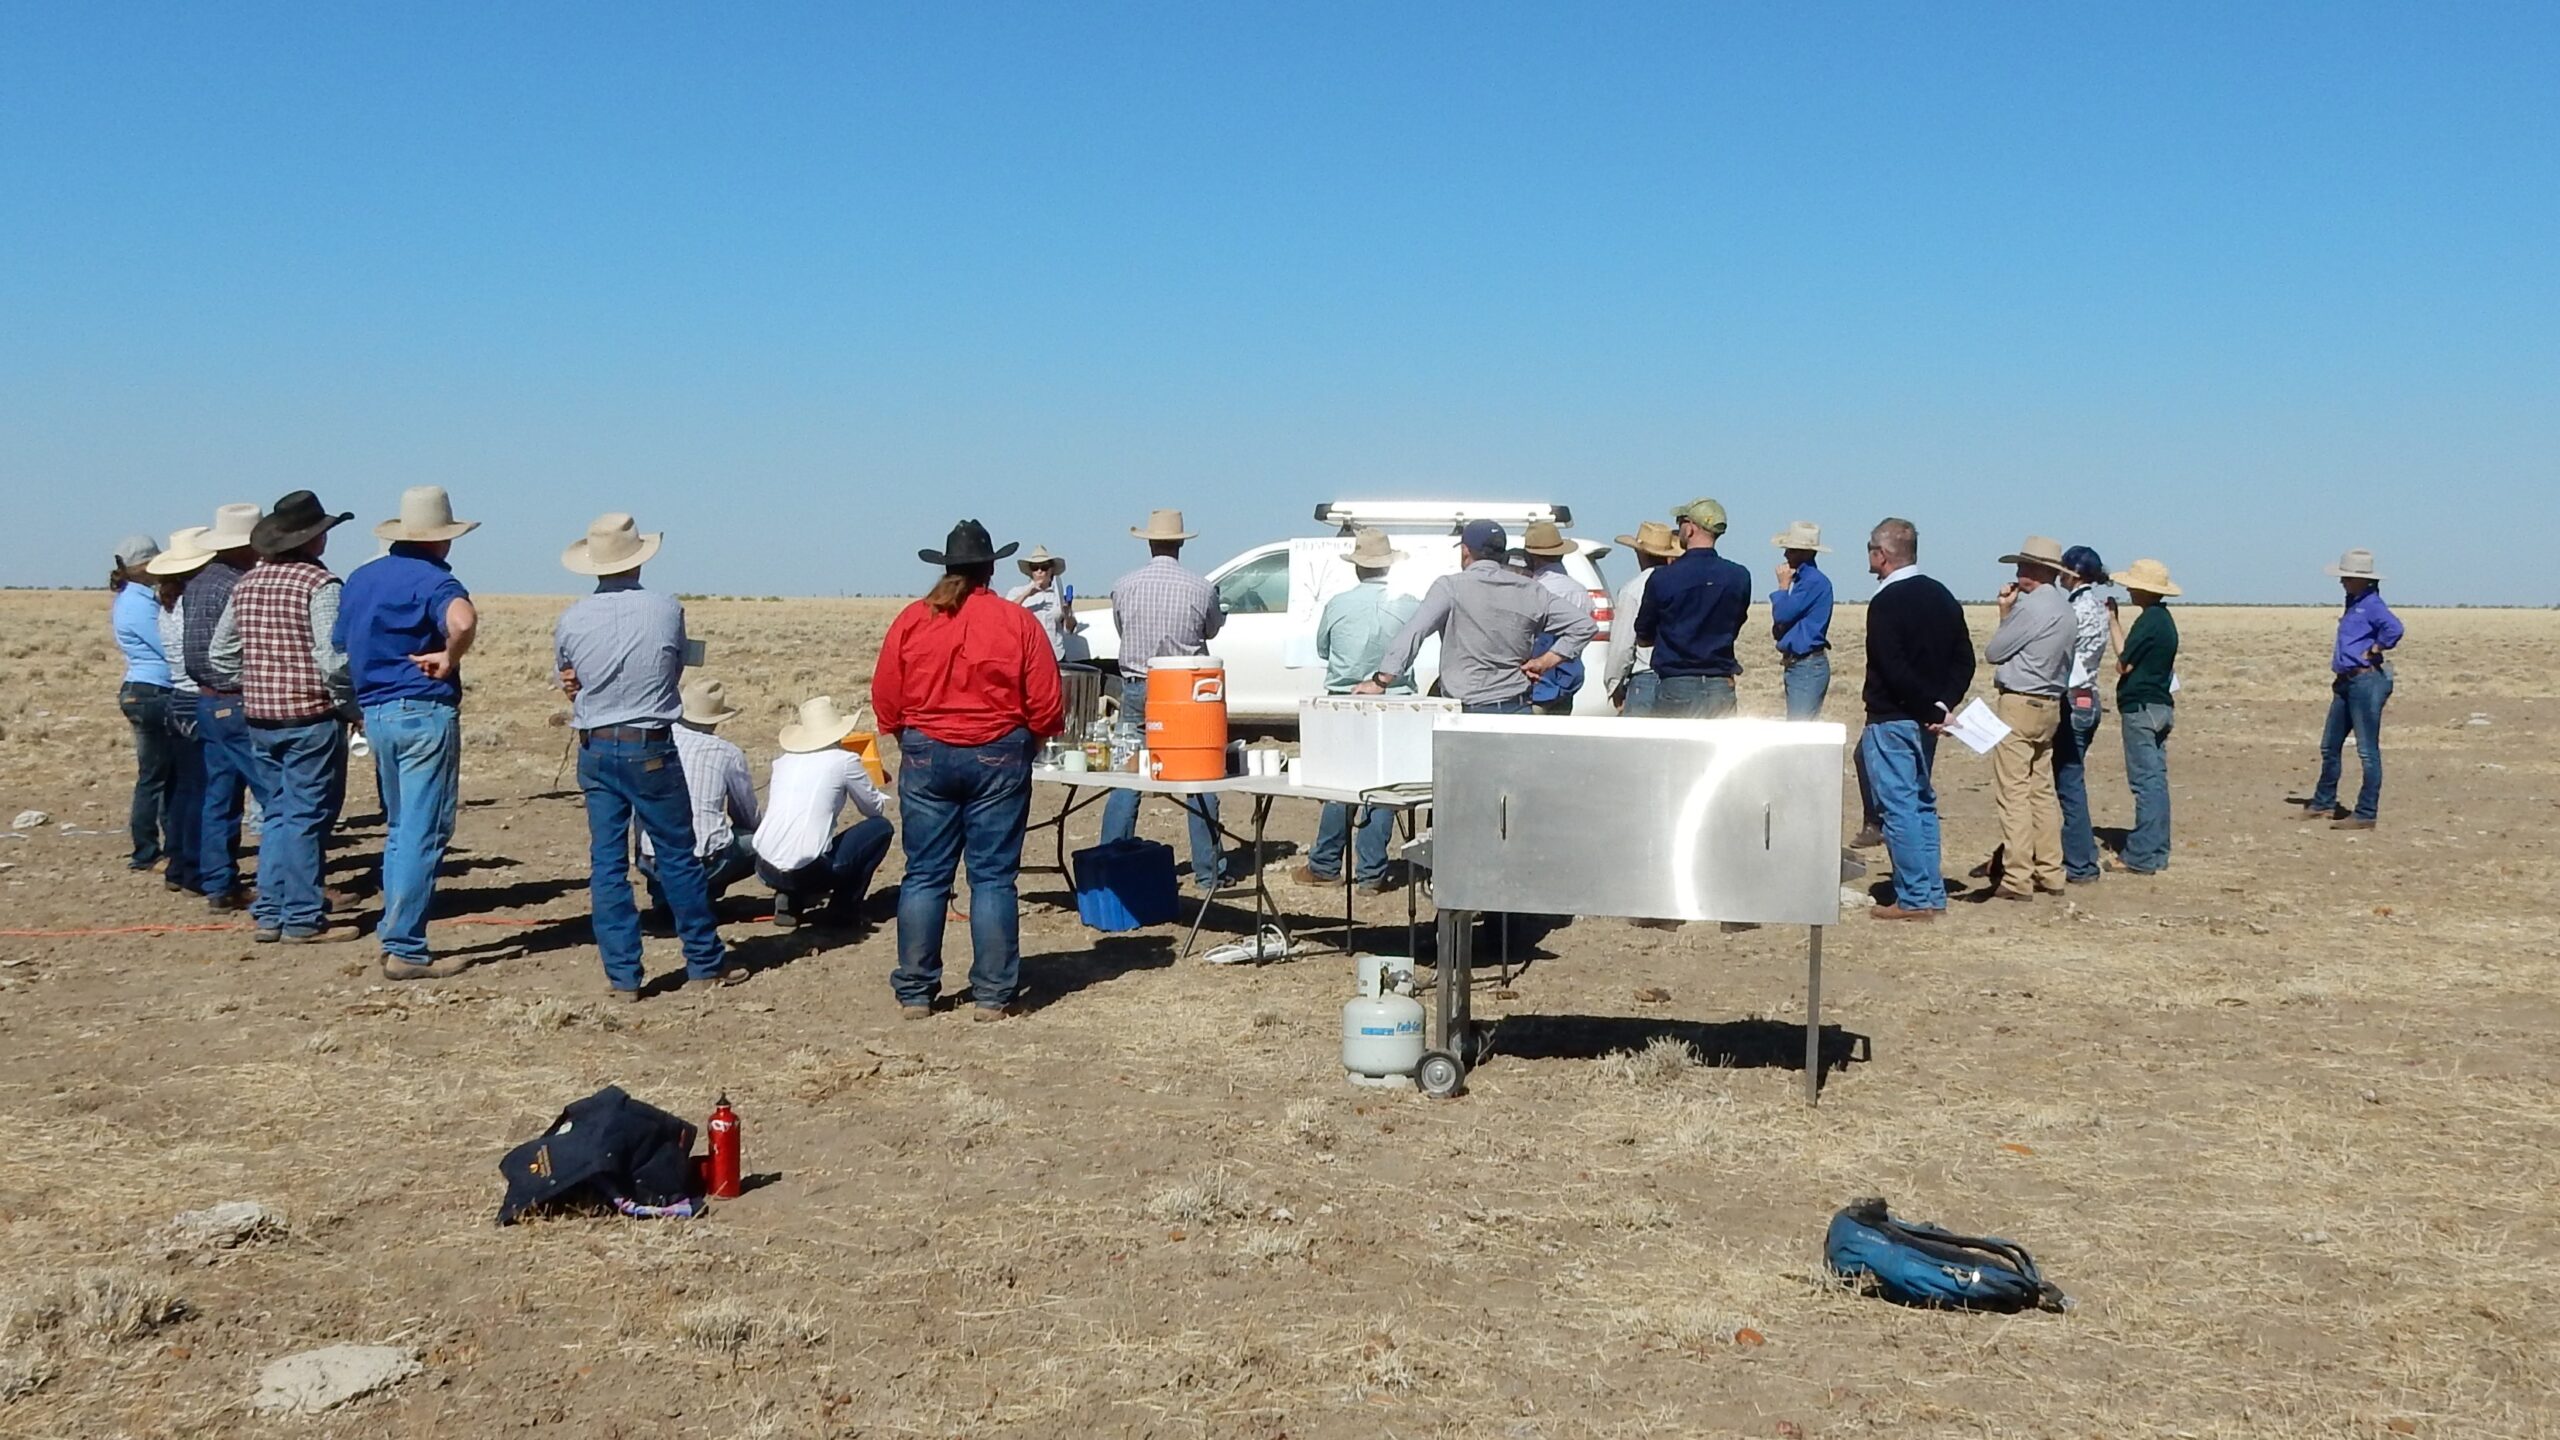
(798, 851)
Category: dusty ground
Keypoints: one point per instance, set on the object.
(2286, 1120)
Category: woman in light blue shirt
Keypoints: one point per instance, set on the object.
(144, 698)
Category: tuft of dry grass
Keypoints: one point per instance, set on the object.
(729, 1325)
(1202, 1201)
(1311, 1123)
(1273, 1244)
(1663, 1060)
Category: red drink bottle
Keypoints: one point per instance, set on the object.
(727, 1150)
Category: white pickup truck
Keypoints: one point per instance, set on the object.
(1274, 593)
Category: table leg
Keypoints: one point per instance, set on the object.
(1351, 867)
(1813, 1019)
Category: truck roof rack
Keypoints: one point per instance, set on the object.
(1451, 515)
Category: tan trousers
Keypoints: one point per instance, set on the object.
(2022, 777)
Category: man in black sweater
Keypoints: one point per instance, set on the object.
(1919, 665)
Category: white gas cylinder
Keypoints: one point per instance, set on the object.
(1382, 1025)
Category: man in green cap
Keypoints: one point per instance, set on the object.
(1693, 611)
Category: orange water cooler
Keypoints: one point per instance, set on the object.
(1187, 717)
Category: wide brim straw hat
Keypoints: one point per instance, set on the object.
(1040, 556)
(2355, 565)
(967, 544)
(2149, 576)
(820, 727)
(1163, 525)
(234, 527)
(1654, 538)
(297, 520)
(1372, 550)
(1545, 539)
(2041, 550)
(185, 553)
(613, 546)
(426, 515)
(1801, 535)
(706, 703)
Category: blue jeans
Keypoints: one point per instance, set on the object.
(154, 821)
(230, 772)
(1695, 697)
(1333, 831)
(840, 877)
(2071, 782)
(956, 802)
(1499, 707)
(1899, 755)
(184, 825)
(2146, 768)
(2355, 703)
(294, 761)
(1807, 682)
(1644, 693)
(640, 780)
(1120, 811)
(719, 871)
(417, 762)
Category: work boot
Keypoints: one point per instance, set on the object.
(1867, 838)
(915, 1012)
(784, 917)
(325, 935)
(2351, 823)
(616, 995)
(265, 935)
(1896, 912)
(229, 900)
(989, 1014)
(1306, 875)
(733, 975)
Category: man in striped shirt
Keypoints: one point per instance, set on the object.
(724, 797)
(1161, 609)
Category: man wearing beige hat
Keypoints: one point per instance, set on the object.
(1041, 594)
(621, 654)
(1800, 616)
(723, 793)
(231, 773)
(1163, 610)
(405, 623)
(2032, 653)
(798, 851)
(1545, 547)
(2360, 687)
(1630, 676)
(2146, 703)
(1351, 639)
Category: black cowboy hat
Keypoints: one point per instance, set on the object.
(969, 545)
(293, 522)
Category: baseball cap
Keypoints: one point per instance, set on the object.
(1485, 538)
(1706, 514)
(2082, 561)
(136, 549)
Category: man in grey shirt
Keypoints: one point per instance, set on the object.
(1488, 619)
(621, 652)
(2032, 650)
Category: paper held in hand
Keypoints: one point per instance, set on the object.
(1977, 727)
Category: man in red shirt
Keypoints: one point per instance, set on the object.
(969, 686)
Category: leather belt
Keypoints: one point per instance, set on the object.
(2028, 695)
(624, 734)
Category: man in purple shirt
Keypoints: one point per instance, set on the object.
(2366, 631)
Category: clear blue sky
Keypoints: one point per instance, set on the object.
(2234, 285)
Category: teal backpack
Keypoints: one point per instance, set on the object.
(1915, 1264)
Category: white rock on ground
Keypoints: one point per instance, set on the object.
(226, 1226)
(30, 819)
(318, 1380)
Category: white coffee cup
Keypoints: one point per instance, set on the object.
(1073, 760)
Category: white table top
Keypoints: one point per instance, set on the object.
(1282, 787)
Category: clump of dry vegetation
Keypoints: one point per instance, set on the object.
(1663, 1060)
(728, 1326)
(95, 1310)
(1201, 1201)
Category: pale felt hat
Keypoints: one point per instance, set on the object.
(1040, 556)
(2039, 550)
(1162, 525)
(2149, 576)
(820, 727)
(232, 527)
(1801, 535)
(426, 514)
(706, 703)
(2355, 565)
(1371, 550)
(613, 545)
(1543, 538)
(184, 555)
(1652, 537)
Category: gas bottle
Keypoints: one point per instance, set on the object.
(1382, 1024)
(727, 1150)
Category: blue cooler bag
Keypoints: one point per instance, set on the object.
(1910, 1263)
(1125, 885)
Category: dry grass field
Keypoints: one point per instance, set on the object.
(2285, 1120)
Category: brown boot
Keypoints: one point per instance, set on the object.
(326, 935)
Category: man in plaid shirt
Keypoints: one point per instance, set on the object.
(1162, 609)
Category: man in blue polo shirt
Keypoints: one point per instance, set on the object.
(405, 622)
(1693, 609)
(1800, 613)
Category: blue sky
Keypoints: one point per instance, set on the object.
(2236, 286)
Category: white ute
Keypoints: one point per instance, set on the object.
(1274, 593)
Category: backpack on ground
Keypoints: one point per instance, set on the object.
(1910, 1263)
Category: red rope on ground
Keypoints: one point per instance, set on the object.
(501, 922)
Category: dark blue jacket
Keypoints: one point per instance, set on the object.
(1693, 608)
